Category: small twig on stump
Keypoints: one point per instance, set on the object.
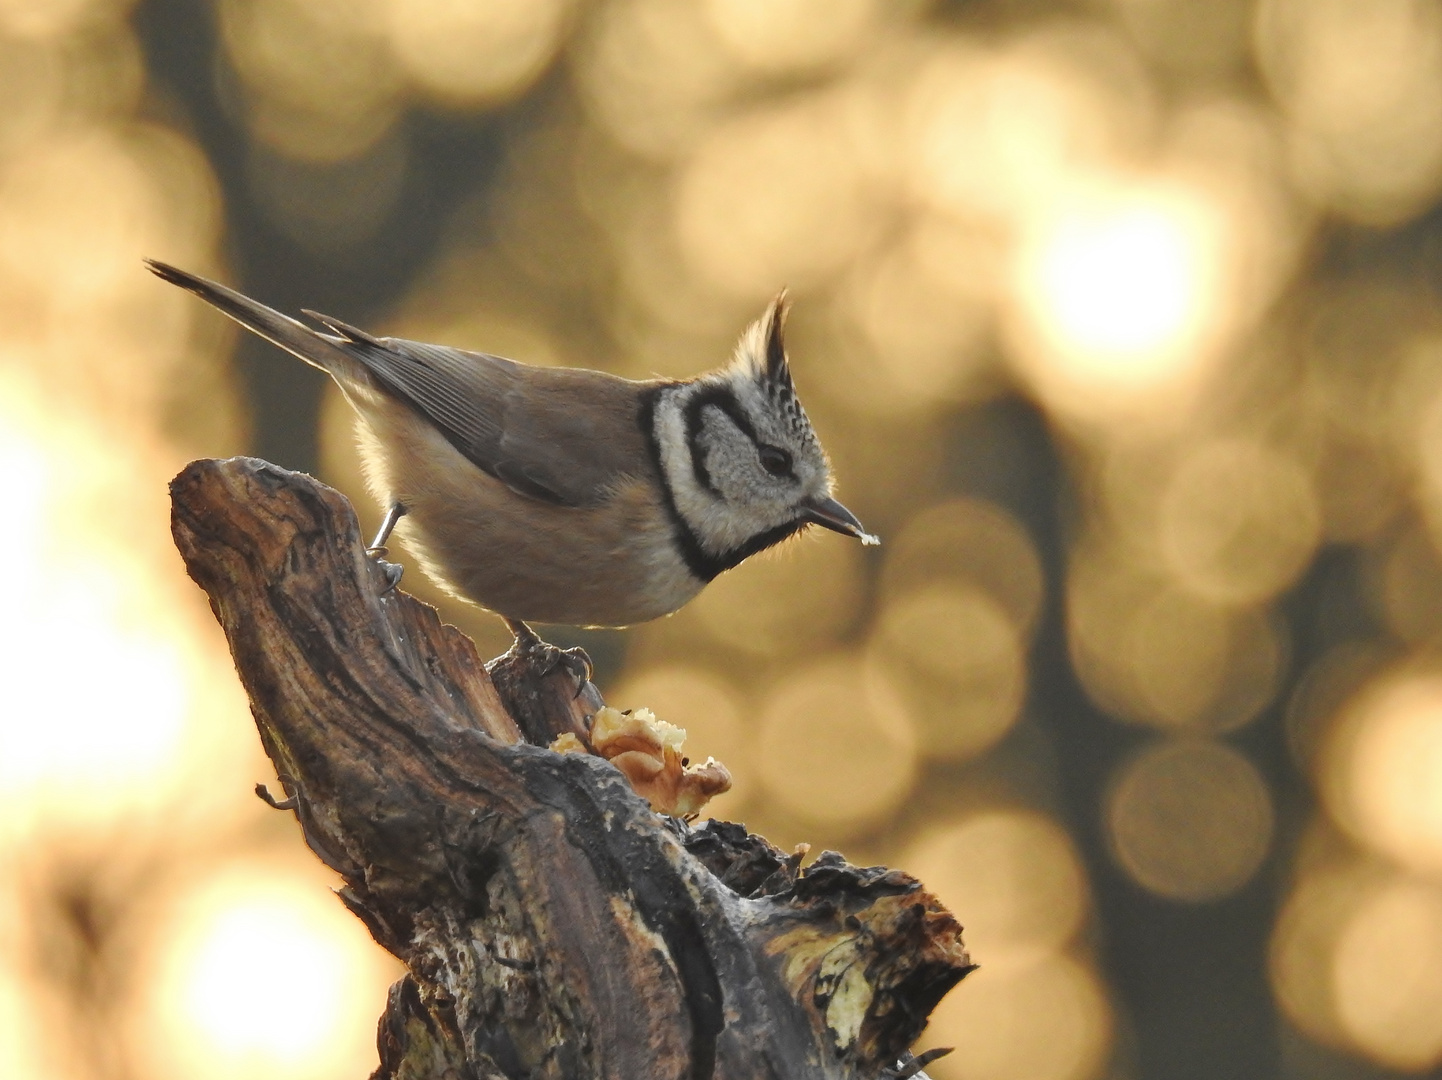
(555, 927)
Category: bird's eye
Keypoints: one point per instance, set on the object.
(775, 460)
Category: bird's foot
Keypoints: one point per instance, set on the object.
(390, 571)
(548, 657)
(315, 838)
(910, 1066)
(290, 802)
(378, 551)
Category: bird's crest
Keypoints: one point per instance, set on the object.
(762, 352)
(776, 371)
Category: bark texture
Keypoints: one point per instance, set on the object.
(554, 926)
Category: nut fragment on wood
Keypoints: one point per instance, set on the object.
(648, 751)
(554, 926)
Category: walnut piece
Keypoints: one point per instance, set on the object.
(648, 751)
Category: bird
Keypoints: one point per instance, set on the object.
(567, 495)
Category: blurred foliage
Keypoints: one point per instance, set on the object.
(1119, 317)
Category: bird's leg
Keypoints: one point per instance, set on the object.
(377, 549)
(527, 640)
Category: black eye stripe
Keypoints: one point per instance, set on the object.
(721, 397)
(723, 400)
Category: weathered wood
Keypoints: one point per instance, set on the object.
(554, 927)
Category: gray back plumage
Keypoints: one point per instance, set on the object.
(564, 435)
(567, 436)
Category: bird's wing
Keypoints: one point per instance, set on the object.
(562, 435)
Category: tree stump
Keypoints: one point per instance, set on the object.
(553, 925)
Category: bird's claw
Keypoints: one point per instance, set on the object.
(579, 666)
(289, 803)
(911, 1066)
(392, 572)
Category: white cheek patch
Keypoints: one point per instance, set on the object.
(717, 525)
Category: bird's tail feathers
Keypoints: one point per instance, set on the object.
(294, 337)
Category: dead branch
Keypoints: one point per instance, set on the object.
(554, 926)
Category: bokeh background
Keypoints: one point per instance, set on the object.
(1119, 318)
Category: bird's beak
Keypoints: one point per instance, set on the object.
(830, 514)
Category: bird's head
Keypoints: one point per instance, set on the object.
(745, 467)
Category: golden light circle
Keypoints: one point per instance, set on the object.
(1412, 587)
(994, 135)
(34, 98)
(785, 601)
(1148, 651)
(81, 754)
(1049, 1021)
(1387, 975)
(775, 195)
(1303, 944)
(908, 342)
(1103, 590)
(329, 207)
(781, 36)
(1426, 448)
(1361, 84)
(713, 715)
(261, 971)
(42, 19)
(23, 1056)
(655, 75)
(1177, 650)
(971, 542)
(1119, 284)
(1382, 768)
(1012, 876)
(1189, 819)
(834, 749)
(321, 83)
(1120, 294)
(474, 51)
(1239, 521)
(79, 207)
(1201, 666)
(954, 656)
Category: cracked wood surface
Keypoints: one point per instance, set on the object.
(554, 927)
